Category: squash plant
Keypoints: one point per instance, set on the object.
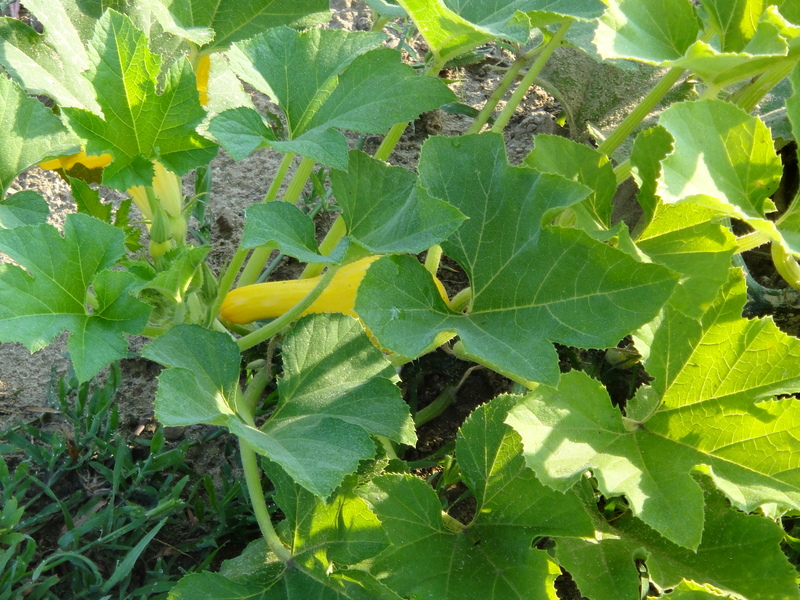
(680, 491)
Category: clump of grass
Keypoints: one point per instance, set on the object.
(88, 514)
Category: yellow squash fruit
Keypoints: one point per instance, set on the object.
(272, 299)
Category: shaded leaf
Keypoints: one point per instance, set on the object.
(386, 210)
(23, 208)
(739, 554)
(29, 132)
(200, 385)
(53, 63)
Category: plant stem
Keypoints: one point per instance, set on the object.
(390, 141)
(461, 299)
(622, 171)
(530, 77)
(501, 89)
(751, 240)
(334, 235)
(226, 281)
(254, 390)
(266, 332)
(751, 94)
(280, 175)
(299, 179)
(641, 111)
(252, 476)
(786, 265)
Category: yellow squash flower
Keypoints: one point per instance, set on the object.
(67, 162)
(202, 72)
(272, 299)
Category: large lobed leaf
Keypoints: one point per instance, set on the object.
(336, 391)
(492, 556)
(531, 285)
(50, 292)
(709, 409)
(139, 124)
(323, 80)
(738, 554)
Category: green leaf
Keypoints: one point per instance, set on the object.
(650, 147)
(241, 131)
(324, 80)
(331, 369)
(337, 390)
(53, 63)
(580, 163)
(734, 22)
(51, 296)
(213, 586)
(651, 31)
(723, 159)
(722, 358)
(685, 239)
(739, 554)
(447, 33)
(178, 268)
(793, 103)
(88, 200)
(768, 49)
(386, 210)
(140, 124)
(29, 132)
(200, 384)
(509, 496)
(286, 225)
(712, 378)
(320, 533)
(23, 208)
(235, 21)
(323, 536)
(428, 560)
(530, 285)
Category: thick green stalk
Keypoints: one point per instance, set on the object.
(750, 95)
(641, 111)
(266, 332)
(530, 77)
(299, 180)
(280, 175)
(252, 476)
(226, 281)
(509, 78)
(255, 264)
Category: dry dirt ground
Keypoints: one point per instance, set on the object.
(24, 377)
